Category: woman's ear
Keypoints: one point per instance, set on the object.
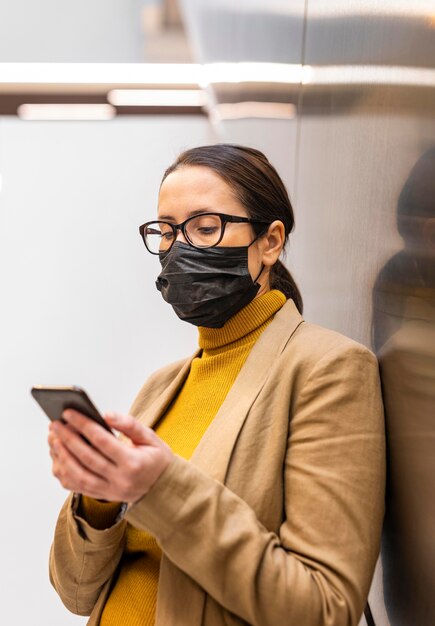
(273, 243)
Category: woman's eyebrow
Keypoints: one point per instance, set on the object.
(191, 213)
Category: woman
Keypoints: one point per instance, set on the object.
(253, 472)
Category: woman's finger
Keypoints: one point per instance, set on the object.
(52, 439)
(73, 476)
(132, 428)
(102, 440)
(87, 455)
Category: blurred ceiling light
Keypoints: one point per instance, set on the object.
(148, 73)
(129, 75)
(157, 97)
(368, 74)
(244, 110)
(252, 73)
(66, 112)
(101, 73)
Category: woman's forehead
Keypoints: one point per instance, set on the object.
(191, 188)
(194, 179)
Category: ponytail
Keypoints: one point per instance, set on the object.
(280, 278)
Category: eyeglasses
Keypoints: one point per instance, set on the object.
(200, 231)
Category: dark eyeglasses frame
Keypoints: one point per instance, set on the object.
(224, 218)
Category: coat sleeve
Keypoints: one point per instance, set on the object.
(317, 569)
(83, 559)
(87, 546)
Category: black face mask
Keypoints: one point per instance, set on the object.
(206, 287)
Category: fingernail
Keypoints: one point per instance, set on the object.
(112, 417)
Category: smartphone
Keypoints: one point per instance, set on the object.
(54, 400)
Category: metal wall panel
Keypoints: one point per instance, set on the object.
(360, 166)
(365, 254)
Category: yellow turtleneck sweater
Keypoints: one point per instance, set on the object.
(132, 601)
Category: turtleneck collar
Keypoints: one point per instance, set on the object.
(249, 321)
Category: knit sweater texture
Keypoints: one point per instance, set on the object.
(132, 600)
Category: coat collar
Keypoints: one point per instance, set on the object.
(151, 415)
(213, 452)
(222, 433)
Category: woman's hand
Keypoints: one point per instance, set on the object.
(109, 469)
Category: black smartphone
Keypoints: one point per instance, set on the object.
(54, 400)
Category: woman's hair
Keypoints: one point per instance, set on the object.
(258, 187)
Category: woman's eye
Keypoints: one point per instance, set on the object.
(168, 236)
(207, 230)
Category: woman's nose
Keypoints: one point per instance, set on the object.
(181, 237)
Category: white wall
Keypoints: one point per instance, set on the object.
(78, 306)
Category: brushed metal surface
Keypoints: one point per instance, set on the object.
(365, 252)
(404, 336)
(360, 166)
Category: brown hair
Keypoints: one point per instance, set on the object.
(258, 187)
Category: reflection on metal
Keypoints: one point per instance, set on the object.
(293, 73)
(368, 75)
(404, 336)
(286, 73)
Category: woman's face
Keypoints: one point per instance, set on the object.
(197, 188)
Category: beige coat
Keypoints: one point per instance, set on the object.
(276, 520)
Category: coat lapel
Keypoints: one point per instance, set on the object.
(213, 453)
(150, 416)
